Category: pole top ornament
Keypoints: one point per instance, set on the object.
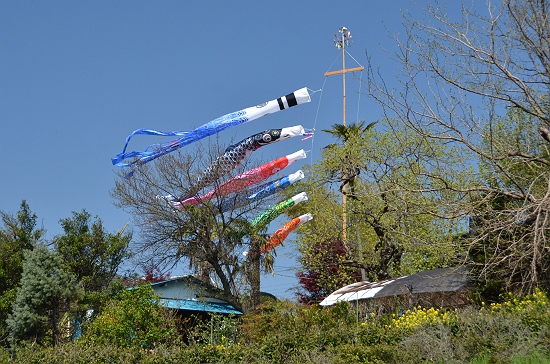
(344, 39)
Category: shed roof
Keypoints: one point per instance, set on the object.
(192, 294)
(437, 280)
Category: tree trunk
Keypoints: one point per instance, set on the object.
(254, 274)
(53, 323)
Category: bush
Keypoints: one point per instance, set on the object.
(283, 329)
(133, 318)
(218, 330)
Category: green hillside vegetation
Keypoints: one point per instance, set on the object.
(513, 331)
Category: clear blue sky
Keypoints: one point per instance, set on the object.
(76, 77)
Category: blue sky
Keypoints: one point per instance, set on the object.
(77, 77)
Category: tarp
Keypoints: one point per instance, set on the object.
(192, 305)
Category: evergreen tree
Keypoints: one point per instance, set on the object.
(17, 234)
(47, 289)
(92, 254)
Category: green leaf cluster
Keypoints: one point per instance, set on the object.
(91, 253)
(402, 211)
(133, 318)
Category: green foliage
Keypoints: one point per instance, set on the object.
(531, 309)
(21, 228)
(284, 329)
(217, 330)
(133, 318)
(285, 332)
(91, 253)
(47, 289)
(17, 234)
(400, 219)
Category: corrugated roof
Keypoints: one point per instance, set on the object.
(437, 280)
(192, 305)
(203, 297)
(189, 279)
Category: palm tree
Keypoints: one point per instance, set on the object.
(240, 231)
(344, 133)
(348, 172)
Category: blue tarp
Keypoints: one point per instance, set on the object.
(199, 306)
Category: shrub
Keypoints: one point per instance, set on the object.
(133, 318)
(218, 330)
(283, 329)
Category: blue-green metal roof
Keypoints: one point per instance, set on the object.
(199, 306)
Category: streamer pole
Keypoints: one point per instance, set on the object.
(341, 42)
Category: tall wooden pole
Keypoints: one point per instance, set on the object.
(344, 197)
(343, 71)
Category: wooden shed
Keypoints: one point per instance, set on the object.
(439, 288)
(191, 296)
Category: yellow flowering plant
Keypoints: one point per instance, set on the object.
(419, 316)
(533, 309)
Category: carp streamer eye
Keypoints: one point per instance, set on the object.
(267, 138)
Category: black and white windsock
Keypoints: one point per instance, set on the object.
(135, 158)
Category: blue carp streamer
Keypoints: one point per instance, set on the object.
(261, 191)
(215, 126)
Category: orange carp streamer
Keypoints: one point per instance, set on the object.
(280, 235)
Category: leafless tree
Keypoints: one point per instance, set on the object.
(209, 237)
(481, 84)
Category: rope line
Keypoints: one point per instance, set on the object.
(338, 56)
(359, 96)
(360, 83)
(353, 58)
(315, 121)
